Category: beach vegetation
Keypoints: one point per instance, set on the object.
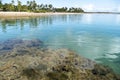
(0, 4)
(32, 6)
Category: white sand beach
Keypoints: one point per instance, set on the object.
(27, 14)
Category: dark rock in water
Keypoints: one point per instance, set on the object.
(33, 43)
(18, 43)
(101, 70)
(9, 44)
(13, 41)
(25, 61)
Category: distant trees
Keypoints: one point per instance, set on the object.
(75, 10)
(32, 6)
(6, 6)
(63, 9)
(1, 5)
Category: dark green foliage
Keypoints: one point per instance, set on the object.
(32, 6)
(75, 10)
(63, 9)
(0, 4)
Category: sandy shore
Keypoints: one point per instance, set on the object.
(27, 14)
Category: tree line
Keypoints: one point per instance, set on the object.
(32, 6)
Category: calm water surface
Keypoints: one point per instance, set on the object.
(94, 36)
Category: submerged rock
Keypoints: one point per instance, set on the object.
(12, 44)
(27, 61)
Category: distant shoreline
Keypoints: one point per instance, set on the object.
(103, 12)
(30, 14)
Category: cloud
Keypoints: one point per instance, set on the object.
(89, 7)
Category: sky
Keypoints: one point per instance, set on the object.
(87, 5)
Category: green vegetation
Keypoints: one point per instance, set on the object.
(32, 6)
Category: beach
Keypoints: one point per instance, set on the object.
(32, 14)
(27, 14)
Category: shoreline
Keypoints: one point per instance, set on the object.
(31, 14)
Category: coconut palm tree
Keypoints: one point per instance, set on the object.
(19, 5)
(0, 4)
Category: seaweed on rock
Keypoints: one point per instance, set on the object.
(26, 60)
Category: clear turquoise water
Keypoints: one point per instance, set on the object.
(94, 36)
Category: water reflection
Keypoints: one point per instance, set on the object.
(5, 23)
(35, 22)
(87, 19)
(112, 60)
(115, 47)
(32, 22)
(75, 18)
(118, 19)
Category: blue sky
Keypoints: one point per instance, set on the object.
(87, 5)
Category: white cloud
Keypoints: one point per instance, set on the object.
(76, 5)
(89, 7)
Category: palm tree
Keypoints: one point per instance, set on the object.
(34, 5)
(41, 6)
(28, 5)
(12, 5)
(50, 6)
(19, 5)
(28, 2)
(13, 2)
(46, 6)
(0, 4)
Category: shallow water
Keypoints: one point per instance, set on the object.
(94, 36)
